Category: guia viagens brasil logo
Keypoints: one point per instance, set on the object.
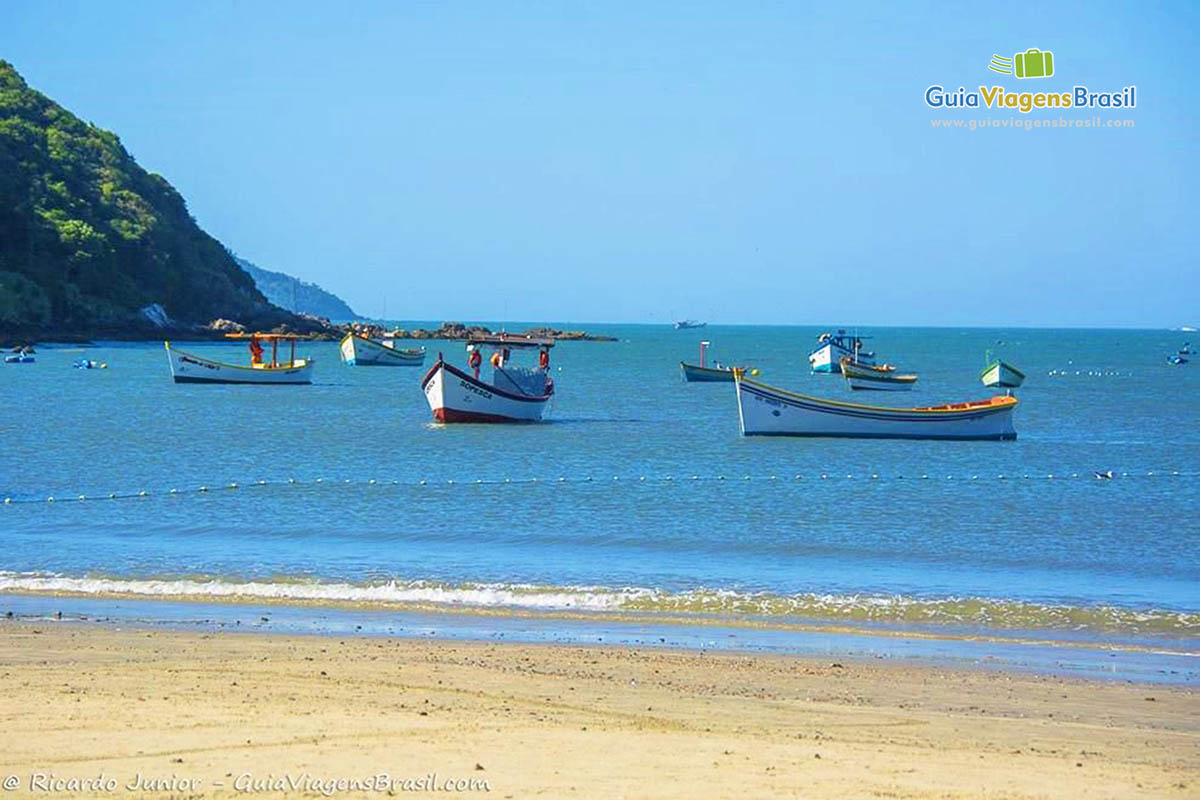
(1029, 64)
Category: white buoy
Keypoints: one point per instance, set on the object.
(371, 482)
(50, 499)
(82, 498)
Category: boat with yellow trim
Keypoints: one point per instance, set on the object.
(190, 368)
(361, 351)
(883, 378)
(767, 411)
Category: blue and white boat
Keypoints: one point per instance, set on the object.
(833, 347)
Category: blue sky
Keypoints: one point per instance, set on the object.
(738, 162)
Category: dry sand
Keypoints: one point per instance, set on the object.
(201, 712)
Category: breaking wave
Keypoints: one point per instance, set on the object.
(700, 604)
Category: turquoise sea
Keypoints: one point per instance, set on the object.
(637, 513)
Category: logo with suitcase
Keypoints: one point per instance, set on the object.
(1033, 63)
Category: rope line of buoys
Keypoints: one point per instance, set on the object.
(234, 486)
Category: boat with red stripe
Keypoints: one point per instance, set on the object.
(514, 393)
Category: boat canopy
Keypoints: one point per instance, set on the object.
(514, 340)
(267, 336)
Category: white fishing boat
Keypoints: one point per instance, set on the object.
(359, 351)
(833, 347)
(997, 373)
(767, 411)
(190, 368)
(508, 392)
(883, 378)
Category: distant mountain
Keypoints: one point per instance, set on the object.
(91, 244)
(297, 295)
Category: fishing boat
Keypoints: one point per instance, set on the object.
(360, 351)
(882, 378)
(767, 411)
(998, 373)
(688, 324)
(703, 373)
(833, 347)
(189, 368)
(514, 393)
(21, 355)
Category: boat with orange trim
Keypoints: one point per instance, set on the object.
(768, 411)
(883, 378)
(191, 368)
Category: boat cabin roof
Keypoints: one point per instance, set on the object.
(514, 340)
(267, 336)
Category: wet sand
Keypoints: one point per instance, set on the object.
(232, 714)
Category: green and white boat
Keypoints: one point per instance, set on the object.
(998, 373)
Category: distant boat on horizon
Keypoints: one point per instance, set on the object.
(687, 324)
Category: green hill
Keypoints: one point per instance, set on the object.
(90, 241)
(296, 295)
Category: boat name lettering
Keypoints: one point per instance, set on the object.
(472, 388)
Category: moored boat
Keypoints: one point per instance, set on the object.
(833, 347)
(998, 373)
(883, 378)
(768, 411)
(704, 373)
(688, 324)
(360, 351)
(190, 368)
(513, 394)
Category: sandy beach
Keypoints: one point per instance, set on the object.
(94, 710)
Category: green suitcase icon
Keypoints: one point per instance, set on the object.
(1034, 63)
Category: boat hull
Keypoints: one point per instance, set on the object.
(359, 352)
(188, 368)
(766, 411)
(694, 374)
(1003, 375)
(861, 378)
(456, 396)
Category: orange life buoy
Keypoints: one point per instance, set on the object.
(544, 359)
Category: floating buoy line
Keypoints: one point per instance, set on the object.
(662, 480)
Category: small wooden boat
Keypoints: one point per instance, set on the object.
(359, 351)
(189, 368)
(22, 357)
(703, 373)
(997, 373)
(767, 411)
(513, 394)
(833, 347)
(883, 378)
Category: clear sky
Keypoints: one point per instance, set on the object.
(747, 162)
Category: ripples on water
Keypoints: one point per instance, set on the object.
(961, 547)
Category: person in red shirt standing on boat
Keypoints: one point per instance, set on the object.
(256, 350)
(474, 360)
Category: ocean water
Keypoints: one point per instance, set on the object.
(638, 499)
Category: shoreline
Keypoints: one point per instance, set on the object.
(562, 720)
(1028, 652)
